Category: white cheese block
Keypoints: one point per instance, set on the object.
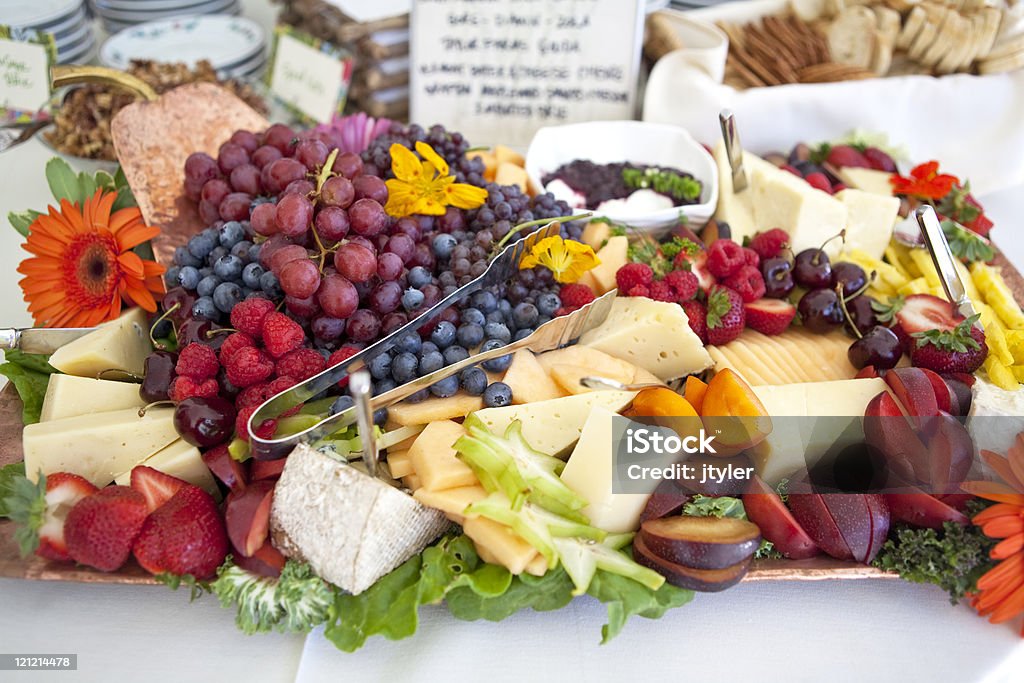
(653, 335)
(810, 216)
(867, 179)
(180, 459)
(589, 472)
(99, 446)
(736, 209)
(121, 344)
(69, 395)
(553, 426)
(795, 443)
(351, 528)
(870, 220)
(996, 417)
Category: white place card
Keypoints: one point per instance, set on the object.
(309, 75)
(24, 73)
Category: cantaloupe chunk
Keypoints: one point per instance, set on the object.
(412, 482)
(433, 457)
(486, 555)
(505, 154)
(505, 546)
(434, 409)
(538, 566)
(510, 174)
(568, 376)
(595, 233)
(529, 380)
(452, 502)
(613, 256)
(400, 463)
(598, 362)
(589, 280)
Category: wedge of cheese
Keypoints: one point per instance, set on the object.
(870, 220)
(736, 209)
(121, 344)
(589, 473)
(99, 446)
(867, 179)
(182, 460)
(810, 216)
(552, 427)
(69, 395)
(653, 335)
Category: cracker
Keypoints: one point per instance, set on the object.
(809, 10)
(755, 65)
(993, 20)
(961, 45)
(912, 26)
(1010, 62)
(946, 38)
(1007, 46)
(929, 32)
(851, 37)
(752, 79)
(733, 32)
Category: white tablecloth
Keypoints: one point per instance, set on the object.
(841, 631)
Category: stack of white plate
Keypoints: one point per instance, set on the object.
(118, 15)
(65, 19)
(235, 46)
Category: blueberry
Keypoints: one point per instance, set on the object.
(497, 331)
(454, 354)
(505, 306)
(205, 308)
(485, 301)
(443, 245)
(445, 387)
(207, 285)
(409, 343)
(251, 275)
(242, 250)
(430, 361)
(428, 347)
(419, 396)
(205, 271)
(270, 285)
(201, 245)
(419, 277)
(384, 385)
(548, 303)
(474, 316)
(473, 380)
(171, 276)
(162, 329)
(543, 319)
(499, 364)
(498, 394)
(230, 234)
(254, 253)
(495, 317)
(210, 233)
(412, 299)
(380, 416)
(525, 315)
(341, 404)
(522, 334)
(443, 335)
(247, 292)
(404, 367)
(379, 366)
(215, 255)
(183, 257)
(226, 296)
(470, 335)
(228, 267)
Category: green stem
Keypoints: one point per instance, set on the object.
(529, 224)
(325, 170)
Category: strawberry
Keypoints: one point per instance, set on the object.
(696, 315)
(40, 510)
(962, 349)
(185, 535)
(155, 486)
(101, 528)
(879, 160)
(770, 316)
(726, 317)
(698, 265)
(819, 181)
(918, 313)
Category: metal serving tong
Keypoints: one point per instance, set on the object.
(942, 257)
(733, 149)
(503, 267)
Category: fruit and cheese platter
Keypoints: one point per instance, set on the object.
(336, 375)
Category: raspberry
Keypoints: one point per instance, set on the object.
(697, 316)
(281, 334)
(253, 395)
(751, 257)
(725, 257)
(264, 431)
(684, 283)
(342, 354)
(576, 295)
(639, 290)
(662, 291)
(197, 361)
(749, 282)
(562, 310)
(233, 342)
(183, 387)
(633, 274)
(300, 364)
(770, 244)
(248, 316)
(249, 366)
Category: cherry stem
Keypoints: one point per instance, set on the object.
(846, 313)
(160, 345)
(219, 330)
(821, 250)
(154, 404)
(864, 287)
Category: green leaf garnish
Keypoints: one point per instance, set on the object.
(63, 182)
(25, 504)
(887, 312)
(957, 340)
(965, 244)
(8, 475)
(682, 188)
(30, 374)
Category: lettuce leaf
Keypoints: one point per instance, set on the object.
(30, 375)
(625, 597)
(8, 475)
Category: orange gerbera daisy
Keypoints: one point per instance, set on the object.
(1000, 594)
(83, 265)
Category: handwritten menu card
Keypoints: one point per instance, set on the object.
(497, 70)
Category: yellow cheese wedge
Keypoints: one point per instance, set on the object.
(810, 216)
(867, 179)
(736, 209)
(433, 457)
(182, 460)
(870, 220)
(121, 344)
(68, 396)
(97, 447)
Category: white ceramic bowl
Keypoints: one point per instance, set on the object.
(640, 143)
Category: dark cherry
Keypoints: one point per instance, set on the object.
(851, 276)
(861, 314)
(778, 277)
(820, 310)
(159, 371)
(813, 269)
(204, 422)
(799, 153)
(193, 330)
(178, 295)
(879, 347)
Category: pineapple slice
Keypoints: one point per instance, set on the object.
(1000, 375)
(918, 285)
(994, 337)
(990, 283)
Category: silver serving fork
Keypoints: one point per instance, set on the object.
(501, 268)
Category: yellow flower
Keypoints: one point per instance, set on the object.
(424, 186)
(566, 259)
